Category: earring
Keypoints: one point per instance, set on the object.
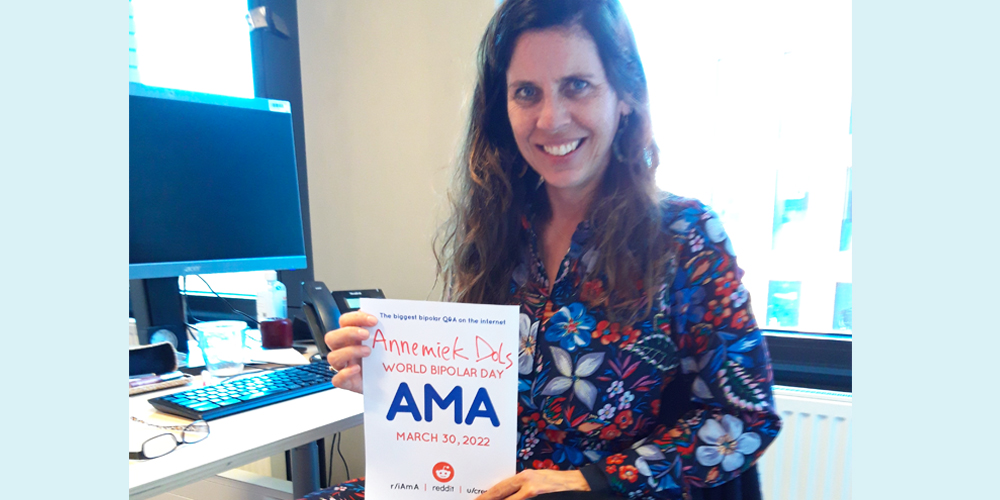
(616, 149)
(615, 144)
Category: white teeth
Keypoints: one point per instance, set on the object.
(562, 150)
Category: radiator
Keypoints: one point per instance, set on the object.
(811, 458)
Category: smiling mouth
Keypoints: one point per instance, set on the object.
(562, 149)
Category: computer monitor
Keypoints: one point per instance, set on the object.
(213, 186)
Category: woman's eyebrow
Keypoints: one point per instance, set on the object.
(519, 83)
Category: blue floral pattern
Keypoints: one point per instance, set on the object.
(595, 391)
(571, 327)
(591, 391)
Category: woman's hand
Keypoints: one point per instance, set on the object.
(531, 483)
(346, 350)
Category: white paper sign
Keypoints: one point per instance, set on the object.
(440, 399)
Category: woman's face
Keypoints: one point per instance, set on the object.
(562, 109)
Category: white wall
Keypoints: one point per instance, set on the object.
(385, 88)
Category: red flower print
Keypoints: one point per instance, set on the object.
(629, 336)
(740, 319)
(556, 405)
(616, 459)
(656, 407)
(607, 332)
(535, 419)
(611, 469)
(544, 464)
(726, 285)
(697, 341)
(718, 311)
(555, 436)
(628, 473)
(610, 432)
(624, 419)
(593, 292)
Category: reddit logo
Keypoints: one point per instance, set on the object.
(443, 472)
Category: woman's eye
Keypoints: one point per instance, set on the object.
(577, 86)
(525, 93)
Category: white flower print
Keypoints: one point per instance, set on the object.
(714, 230)
(699, 387)
(625, 401)
(697, 243)
(606, 413)
(617, 387)
(680, 226)
(739, 296)
(531, 441)
(725, 443)
(586, 365)
(526, 352)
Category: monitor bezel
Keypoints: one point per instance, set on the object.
(151, 270)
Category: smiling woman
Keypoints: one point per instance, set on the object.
(563, 112)
(642, 372)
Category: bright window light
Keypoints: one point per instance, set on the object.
(196, 45)
(751, 107)
(200, 46)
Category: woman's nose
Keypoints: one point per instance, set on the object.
(554, 114)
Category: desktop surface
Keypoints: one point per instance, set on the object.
(235, 440)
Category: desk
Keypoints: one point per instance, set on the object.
(236, 440)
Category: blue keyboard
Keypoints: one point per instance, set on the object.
(247, 393)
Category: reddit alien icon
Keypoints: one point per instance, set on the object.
(443, 472)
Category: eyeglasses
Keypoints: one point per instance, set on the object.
(162, 444)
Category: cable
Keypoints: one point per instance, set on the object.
(237, 311)
(346, 470)
(184, 307)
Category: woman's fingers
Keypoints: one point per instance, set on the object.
(357, 318)
(352, 330)
(531, 483)
(344, 337)
(349, 355)
(346, 350)
(350, 379)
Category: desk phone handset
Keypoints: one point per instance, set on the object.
(323, 308)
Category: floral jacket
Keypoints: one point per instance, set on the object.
(593, 395)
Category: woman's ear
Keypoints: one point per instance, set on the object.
(624, 109)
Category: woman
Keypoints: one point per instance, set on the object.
(642, 372)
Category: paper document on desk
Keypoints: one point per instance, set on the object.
(440, 399)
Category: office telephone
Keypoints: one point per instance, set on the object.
(323, 308)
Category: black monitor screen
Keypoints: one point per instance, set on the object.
(212, 185)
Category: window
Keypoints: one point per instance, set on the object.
(759, 94)
(192, 45)
(202, 47)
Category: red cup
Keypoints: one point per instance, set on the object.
(275, 333)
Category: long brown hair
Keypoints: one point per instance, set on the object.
(481, 243)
